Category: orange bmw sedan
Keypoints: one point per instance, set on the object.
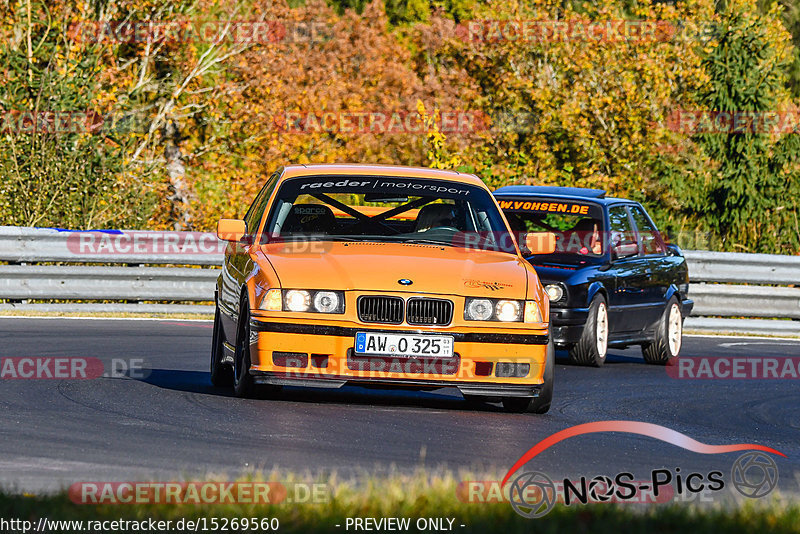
(383, 275)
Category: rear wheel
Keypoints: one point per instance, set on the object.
(666, 344)
(221, 374)
(593, 345)
(243, 384)
(540, 404)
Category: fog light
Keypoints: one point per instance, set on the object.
(290, 359)
(512, 370)
(319, 361)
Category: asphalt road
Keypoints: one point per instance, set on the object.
(173, 423)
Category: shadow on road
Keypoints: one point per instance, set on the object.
(562, 358)
(445, 398)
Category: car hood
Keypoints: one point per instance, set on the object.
(378, 266)
(552, 272)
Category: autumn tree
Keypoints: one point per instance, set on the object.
(749, 198)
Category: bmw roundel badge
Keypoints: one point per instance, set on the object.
(405, 282)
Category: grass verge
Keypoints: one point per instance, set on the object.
(418, 496)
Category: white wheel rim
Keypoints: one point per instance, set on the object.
(675, 332)
(601, 337)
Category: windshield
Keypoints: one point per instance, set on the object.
(578, 226)
(395, 209)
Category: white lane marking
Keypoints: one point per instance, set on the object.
(105, 318)
(719, 336)
(727, 345)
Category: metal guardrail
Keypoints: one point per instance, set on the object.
(717, 278)
(134, 279)
(735, 267)
(36, 245)
(752, 301)
(88, 282)
(716, 285)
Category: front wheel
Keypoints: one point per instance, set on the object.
(221, 374)
(666, 344)
(243, 384)
(593, 345)
(540, 404)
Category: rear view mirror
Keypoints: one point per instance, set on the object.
(624, 250)
(382, 197)
(540, 242)
(231, 229)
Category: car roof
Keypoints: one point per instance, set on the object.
(292, 171)
(593, 195)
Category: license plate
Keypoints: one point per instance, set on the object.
(404, 345)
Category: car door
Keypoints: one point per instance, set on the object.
(631, 274)
(654, 253)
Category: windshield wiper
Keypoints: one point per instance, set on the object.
(426, 242)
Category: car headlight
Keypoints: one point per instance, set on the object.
(532, 313)
(554, 292)
(478, 310)
(326, 301)
(297, 300)
(507, 310)
(303, 300)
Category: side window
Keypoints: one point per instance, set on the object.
(648, 235)
(256, 211)
(623, 238)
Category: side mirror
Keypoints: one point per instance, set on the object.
(231, 229)
(540, 242)
(624, 250)
(674, 250)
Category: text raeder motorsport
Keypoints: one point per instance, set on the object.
(391, 185)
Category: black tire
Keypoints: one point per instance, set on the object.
(540, 404)
(221, 374)
(243, 384)
(590, 350)
(662, 349)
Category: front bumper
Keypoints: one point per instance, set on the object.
(321, 355)
(567, 324)
(686, 307)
